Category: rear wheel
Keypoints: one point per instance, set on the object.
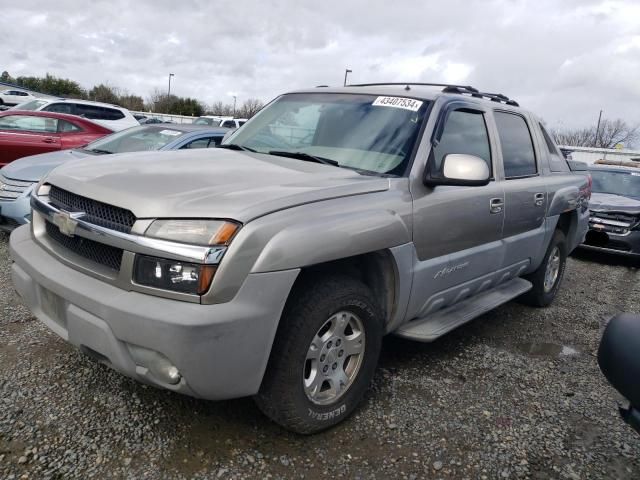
(324, 355)
(547, 278)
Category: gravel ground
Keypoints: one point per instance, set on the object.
(514, 394)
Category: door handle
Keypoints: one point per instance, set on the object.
(538, 199)
(496, 205)
(48, 140)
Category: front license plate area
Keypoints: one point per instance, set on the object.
(53, 307)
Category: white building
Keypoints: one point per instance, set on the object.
(590, 155)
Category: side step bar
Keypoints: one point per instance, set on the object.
(431, 327)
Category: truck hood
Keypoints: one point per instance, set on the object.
(604, 202)
(208, 183)
(33, 168)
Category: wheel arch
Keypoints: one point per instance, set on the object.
(378, 270)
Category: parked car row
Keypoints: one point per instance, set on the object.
(25, 133)
(18, 178)
(111, 116)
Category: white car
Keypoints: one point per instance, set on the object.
(218, 121)
(233, 122)
(110, 116)
(14, 97)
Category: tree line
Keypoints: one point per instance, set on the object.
(157, 102)
(608, 134)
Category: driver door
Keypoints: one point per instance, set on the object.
(457, 229)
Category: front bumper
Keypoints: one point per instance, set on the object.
(14, 213)
(627, 244)
(220, 351)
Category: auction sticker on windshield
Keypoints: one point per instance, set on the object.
(398, 102)
(173, 133)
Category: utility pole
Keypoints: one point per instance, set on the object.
(346, 72)
(598, 129)
(169, 91)
(234, 106)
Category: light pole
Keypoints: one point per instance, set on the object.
(169, 91)
(598, 129)
(234, 106)
(346, 72)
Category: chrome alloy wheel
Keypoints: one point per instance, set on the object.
(334, 358)
(553, 270)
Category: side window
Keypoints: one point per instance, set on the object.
(89, 111)
(557, 162)
(228, 124)
(215, 141)
(200, 143)
(66, 127)
(59, 108)
(29, 124)
(464, 132)
(517, 147)
(112, 114)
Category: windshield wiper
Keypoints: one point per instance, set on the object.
(97, 150)
(304, 156)
(235, 146)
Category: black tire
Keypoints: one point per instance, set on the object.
(282, 396)
(538, 296)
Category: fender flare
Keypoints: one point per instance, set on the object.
(333, 237)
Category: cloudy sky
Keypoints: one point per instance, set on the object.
(564, 59)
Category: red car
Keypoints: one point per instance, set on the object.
(24, 133)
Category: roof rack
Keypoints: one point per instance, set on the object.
(448, 88)
(494, 97)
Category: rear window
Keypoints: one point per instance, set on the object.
(96, 112)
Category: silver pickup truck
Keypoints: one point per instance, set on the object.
(274, 265)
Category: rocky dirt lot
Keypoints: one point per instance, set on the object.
(515, 394)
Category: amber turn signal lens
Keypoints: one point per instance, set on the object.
(204, 280)
(224, 234)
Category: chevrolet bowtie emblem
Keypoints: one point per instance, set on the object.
(67, 222)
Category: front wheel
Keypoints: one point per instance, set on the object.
(547, 278)
(324, 355)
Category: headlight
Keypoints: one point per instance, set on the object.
(197, 232)
(178, 276)
(173, 275)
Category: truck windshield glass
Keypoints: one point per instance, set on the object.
(626, 184)
(364, 132)
(136, 139)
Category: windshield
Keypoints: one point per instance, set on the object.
(622, 183)
(135, 139)
(32, 105)
(364, 132)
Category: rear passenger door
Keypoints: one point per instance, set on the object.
(524, 187)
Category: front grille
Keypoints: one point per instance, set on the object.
(11, 189)
(618, 217)
(110, 257)
(97, 213)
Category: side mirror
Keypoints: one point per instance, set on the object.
(459, 169)
(619, 361)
